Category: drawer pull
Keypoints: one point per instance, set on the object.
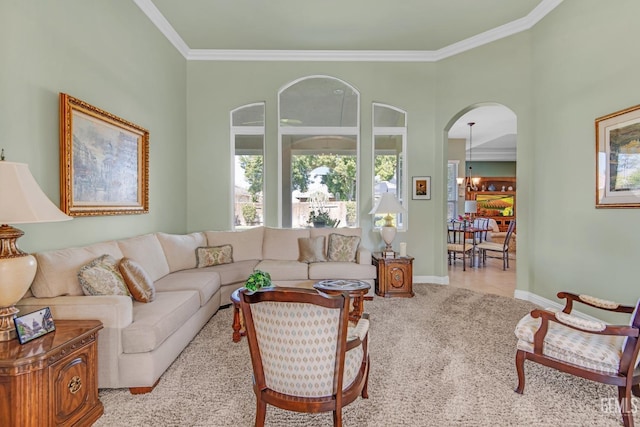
(75, 384)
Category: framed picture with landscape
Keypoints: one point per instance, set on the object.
(618, 159)
(104, 162)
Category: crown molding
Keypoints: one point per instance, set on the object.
(506, 30)
(158, 19)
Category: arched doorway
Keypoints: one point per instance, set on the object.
(482, 167)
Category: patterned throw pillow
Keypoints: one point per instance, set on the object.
(208, 256)
(342, 248)
(137, 280)
(311, 249)
(101, 277)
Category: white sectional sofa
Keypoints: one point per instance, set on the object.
(139, 340)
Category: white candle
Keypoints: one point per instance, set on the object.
(403, 249)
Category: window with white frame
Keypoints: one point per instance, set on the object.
(247, 142)
(389, 151)
(452, 189)
(319, 128)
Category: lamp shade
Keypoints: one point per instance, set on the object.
(470, 206)
(387, 204)
(21, 199)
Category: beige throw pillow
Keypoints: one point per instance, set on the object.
(101, 277)
(342, 248)
(311, 249)
(137, 280)
(208, 256)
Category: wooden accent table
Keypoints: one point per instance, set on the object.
(52, 380)
(395, 276)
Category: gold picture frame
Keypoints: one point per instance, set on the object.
(104, 162)
(618, 159)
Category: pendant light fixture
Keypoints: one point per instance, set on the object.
(471, 206)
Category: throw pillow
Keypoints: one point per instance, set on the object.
(311, 249)
(208, 256)
(137, 280)
(342, 248)
(101, 277)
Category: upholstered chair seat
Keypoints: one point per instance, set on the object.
(586, 348)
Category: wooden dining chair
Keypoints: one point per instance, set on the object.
(502, 248)
(457, 243)
(586, 348)
(305, 356)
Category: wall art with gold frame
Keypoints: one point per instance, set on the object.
(104, 162)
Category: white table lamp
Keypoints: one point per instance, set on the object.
(388, 204)
(21, 201)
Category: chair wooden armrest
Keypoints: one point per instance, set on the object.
(359, 333)
(593, 302)
(574, 322)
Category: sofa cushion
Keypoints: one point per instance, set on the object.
(341, 270)
(284, 270)
(57, 272)
(311, 249)
(209, 256)
(180, 249)
(246, 244)
(156, 321)
(102, 277)
(236, 272)
(137, 280)
(345, 231)
(342, 248)
(207, 283)
(147, 251)
(282, 243)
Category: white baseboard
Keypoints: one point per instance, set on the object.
(547, 303)
(436, 280)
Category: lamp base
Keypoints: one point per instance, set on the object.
(17, 270)
(7, 327)
(388, 234)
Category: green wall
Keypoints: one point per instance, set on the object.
(215, 88)
(580, 62)
(108, 54)
(493, 168)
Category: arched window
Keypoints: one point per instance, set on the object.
(389, 157)
(318, 130)
(247, 146)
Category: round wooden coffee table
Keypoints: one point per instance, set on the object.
(357, 289)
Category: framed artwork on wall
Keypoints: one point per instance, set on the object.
(618, 159)
(104, 162)
(421, 189)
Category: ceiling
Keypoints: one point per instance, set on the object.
(355, 30)
(406, 30)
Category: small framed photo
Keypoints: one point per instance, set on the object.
(421, 188)
(34, 325)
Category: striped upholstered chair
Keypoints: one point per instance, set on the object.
(305, 356)
(586, 348)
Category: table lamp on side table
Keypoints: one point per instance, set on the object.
(388, 204)
(21, 202)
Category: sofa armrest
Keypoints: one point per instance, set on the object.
(114, 311)
(363, 256)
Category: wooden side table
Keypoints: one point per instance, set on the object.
(52, 380)
(395, 276)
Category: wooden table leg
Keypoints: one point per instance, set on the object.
(237, 326)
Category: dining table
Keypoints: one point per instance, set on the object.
(473, 233)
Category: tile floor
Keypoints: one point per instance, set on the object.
(489, 278)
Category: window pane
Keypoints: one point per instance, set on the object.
(247, 133)
(319, 101)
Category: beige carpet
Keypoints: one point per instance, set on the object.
(443, 358)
